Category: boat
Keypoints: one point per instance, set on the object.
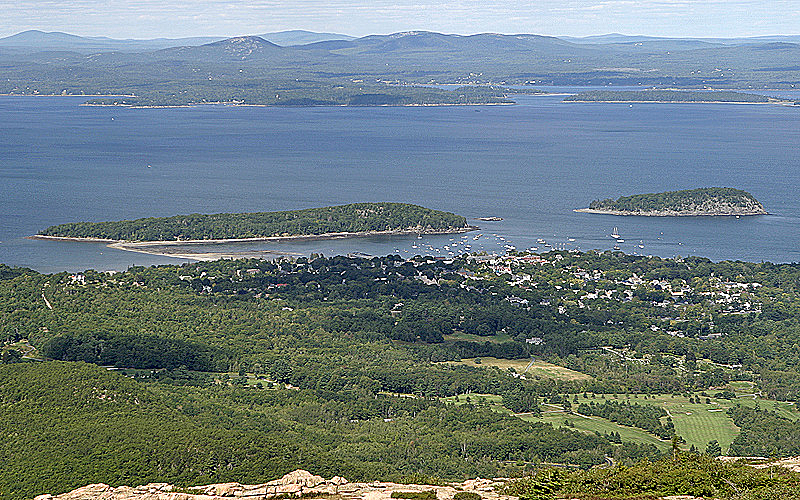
(615, 233)
(616, 247)
(489, 219)
(641, 244)
(359, 255)
(620, 240)
(571, 239)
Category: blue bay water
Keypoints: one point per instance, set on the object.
(530, 163)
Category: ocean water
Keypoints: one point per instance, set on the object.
(531, 164)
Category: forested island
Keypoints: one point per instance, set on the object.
(341, 220)
(675, 96)
(713, 201)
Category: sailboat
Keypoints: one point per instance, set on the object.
(615, 233)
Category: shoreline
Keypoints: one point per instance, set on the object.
(784, 103)
(67, 95)
(157, 247)
(244, 105)
(664, 214)
(205, 256)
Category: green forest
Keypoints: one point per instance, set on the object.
(352, 218)
(354, 366)
(687, 200)
(683, 474)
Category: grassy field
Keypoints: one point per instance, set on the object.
(500, 337)
(493, 401)
(251, 379)
(783, 409)
(555, 415)
(539, 369)
(697, 423)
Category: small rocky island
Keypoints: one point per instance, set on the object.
(713, 201)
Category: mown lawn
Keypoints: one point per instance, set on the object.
(554, 415)
(697, 423)
(539, 369)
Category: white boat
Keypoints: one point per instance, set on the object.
(616, 247)
(620, 240)
(571, 239)
(615, 233)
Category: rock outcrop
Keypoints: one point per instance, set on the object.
(296, 484)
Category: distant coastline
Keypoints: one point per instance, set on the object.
(673, 97)
(770, 103)
(244, 105)
(67, 95)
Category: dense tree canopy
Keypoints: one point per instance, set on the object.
(353, 218)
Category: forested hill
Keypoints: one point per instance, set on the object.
(352, 218)
(689, 202)
(667, 96)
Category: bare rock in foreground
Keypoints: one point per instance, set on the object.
(299, 483)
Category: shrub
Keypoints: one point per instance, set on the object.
(466, 495)
(415, 495)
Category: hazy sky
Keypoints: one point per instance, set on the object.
(173, 18)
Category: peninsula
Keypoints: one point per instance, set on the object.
(153, 234)
(672, 96)
(713, 201)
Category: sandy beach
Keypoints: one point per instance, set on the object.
(168, 248)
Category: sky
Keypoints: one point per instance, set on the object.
(179, 18)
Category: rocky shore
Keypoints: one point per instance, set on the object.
(701, 202)
(719, 212)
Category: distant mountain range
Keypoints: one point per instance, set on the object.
(306, 67)
(619, 38)
(34, 40)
